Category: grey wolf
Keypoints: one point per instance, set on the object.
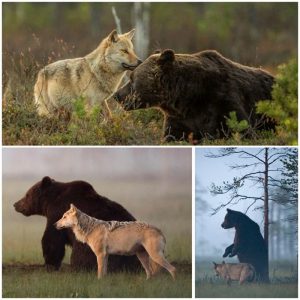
(241, 272)
(95, 77)
(121, 238)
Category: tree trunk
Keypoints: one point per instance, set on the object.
(142, 22)
(266, 203)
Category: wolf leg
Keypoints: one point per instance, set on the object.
(159, 258)
(100, 262)
(145, 261)
(107, 108)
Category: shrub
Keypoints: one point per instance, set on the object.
(283, 107)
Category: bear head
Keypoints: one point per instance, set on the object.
(149, 84)
(232, 218)
(33, 201)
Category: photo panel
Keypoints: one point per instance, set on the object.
(246, 222)
(143, 199)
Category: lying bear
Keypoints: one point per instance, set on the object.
(50, 198)
(248, 245)
(196, 92)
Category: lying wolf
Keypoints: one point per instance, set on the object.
(94, 77)
(241, 272)
(119, 238)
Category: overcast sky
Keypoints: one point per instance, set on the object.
(208, 227)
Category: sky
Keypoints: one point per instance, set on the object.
(208, 227)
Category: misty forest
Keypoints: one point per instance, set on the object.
(263, 184)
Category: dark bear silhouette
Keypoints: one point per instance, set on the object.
(249, 245)
(196, 92)
(52, 199)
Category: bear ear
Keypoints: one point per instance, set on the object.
(157, 51)
(130, 34)
(229, 210)
(113, 36)
(166, 58)
(46, 181)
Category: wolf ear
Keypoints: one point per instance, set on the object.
(166, 58)
(130, 34)
(229, 210)
(46, 181)
(73, 207)
(214, 264)
(113, 36)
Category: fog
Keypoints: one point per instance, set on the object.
(67, 164)
(211, 239)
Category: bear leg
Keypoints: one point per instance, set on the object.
(53, 245)
(228, 250)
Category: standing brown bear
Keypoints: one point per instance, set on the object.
(248, 245)
(52, 199)
(196, 92)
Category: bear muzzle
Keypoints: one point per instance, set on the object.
(19, 207)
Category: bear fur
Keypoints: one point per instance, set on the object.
(248, 245)
(196, 92)
(51, 199)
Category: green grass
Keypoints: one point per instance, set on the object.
(221, 290)
(18, 282)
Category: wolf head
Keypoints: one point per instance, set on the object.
(119, 52)
(69, 219)
(218, 268)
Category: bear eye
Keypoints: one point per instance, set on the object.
(124, 51)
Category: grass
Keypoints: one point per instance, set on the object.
(24, 276)
(22, 126)
(38, 282)
(283, 283)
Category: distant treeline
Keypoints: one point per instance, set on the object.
(251, 33)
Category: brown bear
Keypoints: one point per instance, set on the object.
(249, 245)
(51, 199)
(196, 92)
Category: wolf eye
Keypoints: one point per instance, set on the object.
(124, 51)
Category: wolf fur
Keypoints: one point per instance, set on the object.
(120, 238)
(95, 77)
(241, 272)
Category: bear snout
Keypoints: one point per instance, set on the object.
(19, 207)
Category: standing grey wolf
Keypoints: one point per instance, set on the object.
(241, 272)
(95, 77)
(120, 238)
